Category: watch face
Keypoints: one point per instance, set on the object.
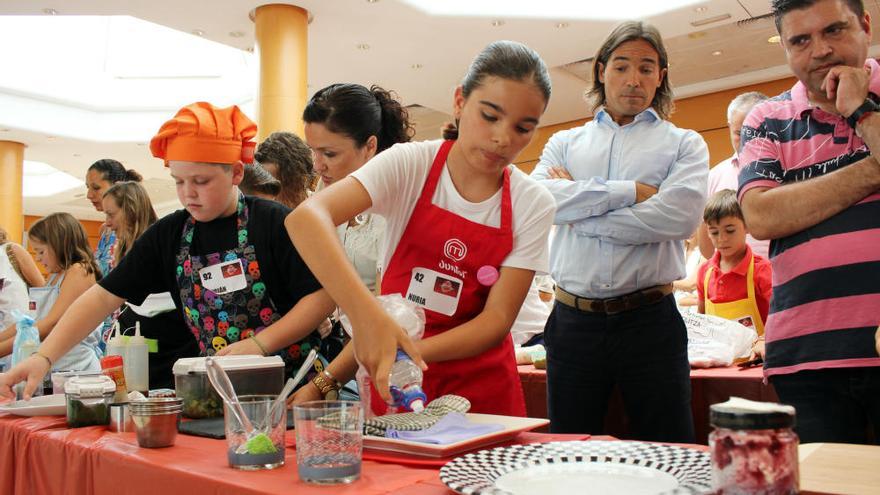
(331, 394)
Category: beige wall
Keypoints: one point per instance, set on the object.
(706, 114)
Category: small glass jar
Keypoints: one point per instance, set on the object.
(88, 400)
(754, 449)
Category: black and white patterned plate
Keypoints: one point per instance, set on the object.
(506, 470)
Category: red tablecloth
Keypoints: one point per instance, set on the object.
(708, 386)
(42, 456)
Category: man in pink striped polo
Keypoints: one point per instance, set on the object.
(811, 184)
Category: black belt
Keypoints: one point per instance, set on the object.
(613, 305)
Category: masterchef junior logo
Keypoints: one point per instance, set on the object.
(455, 250)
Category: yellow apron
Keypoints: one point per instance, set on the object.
(744, 311)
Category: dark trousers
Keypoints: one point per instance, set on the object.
(643, 352)
(833, 405)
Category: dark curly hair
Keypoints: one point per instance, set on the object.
(358, 112)
(293, 157)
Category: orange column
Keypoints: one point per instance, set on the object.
(282, 45)
(11, 168)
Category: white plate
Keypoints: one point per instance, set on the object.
(573, 467)
(44, 405)
(512, 427)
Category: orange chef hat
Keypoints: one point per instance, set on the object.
(201, 132)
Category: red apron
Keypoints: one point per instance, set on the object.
(435, 265)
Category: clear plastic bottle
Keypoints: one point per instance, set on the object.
(137, 368)
(406, 384)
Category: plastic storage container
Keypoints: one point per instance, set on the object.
(754, 449)
(88, 400)
(250, 375)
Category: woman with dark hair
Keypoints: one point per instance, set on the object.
(100, 176)
(346, 125)
(288, 159)
(465, 233)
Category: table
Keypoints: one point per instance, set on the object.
(41, 455)
(708, 386)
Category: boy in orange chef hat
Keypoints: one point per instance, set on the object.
(242, 287)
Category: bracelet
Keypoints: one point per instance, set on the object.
(260, 345)
(44, 357)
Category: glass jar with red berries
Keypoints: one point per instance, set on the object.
(754, 448)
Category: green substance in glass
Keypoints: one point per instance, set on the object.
(260, 444)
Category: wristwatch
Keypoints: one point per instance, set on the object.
(868, 106)
(327, 385)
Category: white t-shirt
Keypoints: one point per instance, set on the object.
(394, 181)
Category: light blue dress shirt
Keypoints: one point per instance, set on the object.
(606, 245)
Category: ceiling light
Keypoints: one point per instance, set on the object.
(561, 25)
(50, 11)
(544, 9)
(372, 1)
(716, 53)
(701, 9)
(774, 39)
(363, 46)
(497, 23)
(416, 66)
(77, 155)
(41, 179)
(197, 32)
(697, 35)
(236, 34)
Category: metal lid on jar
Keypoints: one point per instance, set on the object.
(90, 386)
(742, 414)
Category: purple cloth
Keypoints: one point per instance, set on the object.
(454, 427)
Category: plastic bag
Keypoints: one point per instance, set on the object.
(408, 315)
(714, 341)
(27, 337)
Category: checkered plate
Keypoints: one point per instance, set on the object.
(580, 467)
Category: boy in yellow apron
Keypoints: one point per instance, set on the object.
(734, 284)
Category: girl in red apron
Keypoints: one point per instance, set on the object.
(465, 234)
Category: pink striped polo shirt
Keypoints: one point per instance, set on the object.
(826, 278)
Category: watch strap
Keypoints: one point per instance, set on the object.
(868, 106)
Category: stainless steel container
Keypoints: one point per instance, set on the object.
(120, 418)
(155, 420)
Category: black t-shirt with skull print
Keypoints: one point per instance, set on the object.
(151, 265)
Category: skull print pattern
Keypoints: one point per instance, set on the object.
(218, 320)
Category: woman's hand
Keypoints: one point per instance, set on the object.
(242, 347)
(375, 346)
(31, 370)
(307, 393)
